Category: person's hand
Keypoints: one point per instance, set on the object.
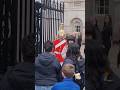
(77, 76)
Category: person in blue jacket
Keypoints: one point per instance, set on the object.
(68, 71)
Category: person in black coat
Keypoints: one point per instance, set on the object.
(107, 33)
(21, 76)
(94, 61)
(47, 68)
(106, 38)
(96, 31)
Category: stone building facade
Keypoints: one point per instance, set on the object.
(100, 8)
(74, 16)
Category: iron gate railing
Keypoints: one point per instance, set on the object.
(49, 15)
(16, 21)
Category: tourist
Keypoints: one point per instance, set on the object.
(21, 76)
(72, 57)
(94, 61)
(68, 83)
(107, 37)
(47, 69)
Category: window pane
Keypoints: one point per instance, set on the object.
(106, 10)
(101, 2)
(101, 10)
(77, 28)
(97, 2)
(107, 2)
(102, 6)
(98, 10)
(107, 7)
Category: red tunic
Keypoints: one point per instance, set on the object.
(59, 45)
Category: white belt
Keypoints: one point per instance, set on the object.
(57, 52)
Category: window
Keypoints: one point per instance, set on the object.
(76, 25)
(77, 3)
(102, 6)
(77, 28)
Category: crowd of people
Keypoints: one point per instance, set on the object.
(66, 51)
(61, 66)
(47, 71)
(22, 75)
(98, 44)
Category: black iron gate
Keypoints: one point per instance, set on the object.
(49, 15)
(16, 21)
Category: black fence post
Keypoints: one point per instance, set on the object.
(49, 14)
(12, 29)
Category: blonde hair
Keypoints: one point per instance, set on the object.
(68, 70)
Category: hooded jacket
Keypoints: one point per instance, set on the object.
(47, 70)
(19, 77)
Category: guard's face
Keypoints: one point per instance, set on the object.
(61, 33)
(61, 36)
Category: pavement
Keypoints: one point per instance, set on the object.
(115, 85)
(113, 59)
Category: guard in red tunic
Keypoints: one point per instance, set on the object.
(60, 46)
(59, 49)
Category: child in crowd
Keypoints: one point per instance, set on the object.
(68, 71)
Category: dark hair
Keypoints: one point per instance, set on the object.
(110, 20)
(68, 70)
(96, 22)
(28, 48)
(73, 50)
(88, 29)
(48, 46)
(70, 38)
